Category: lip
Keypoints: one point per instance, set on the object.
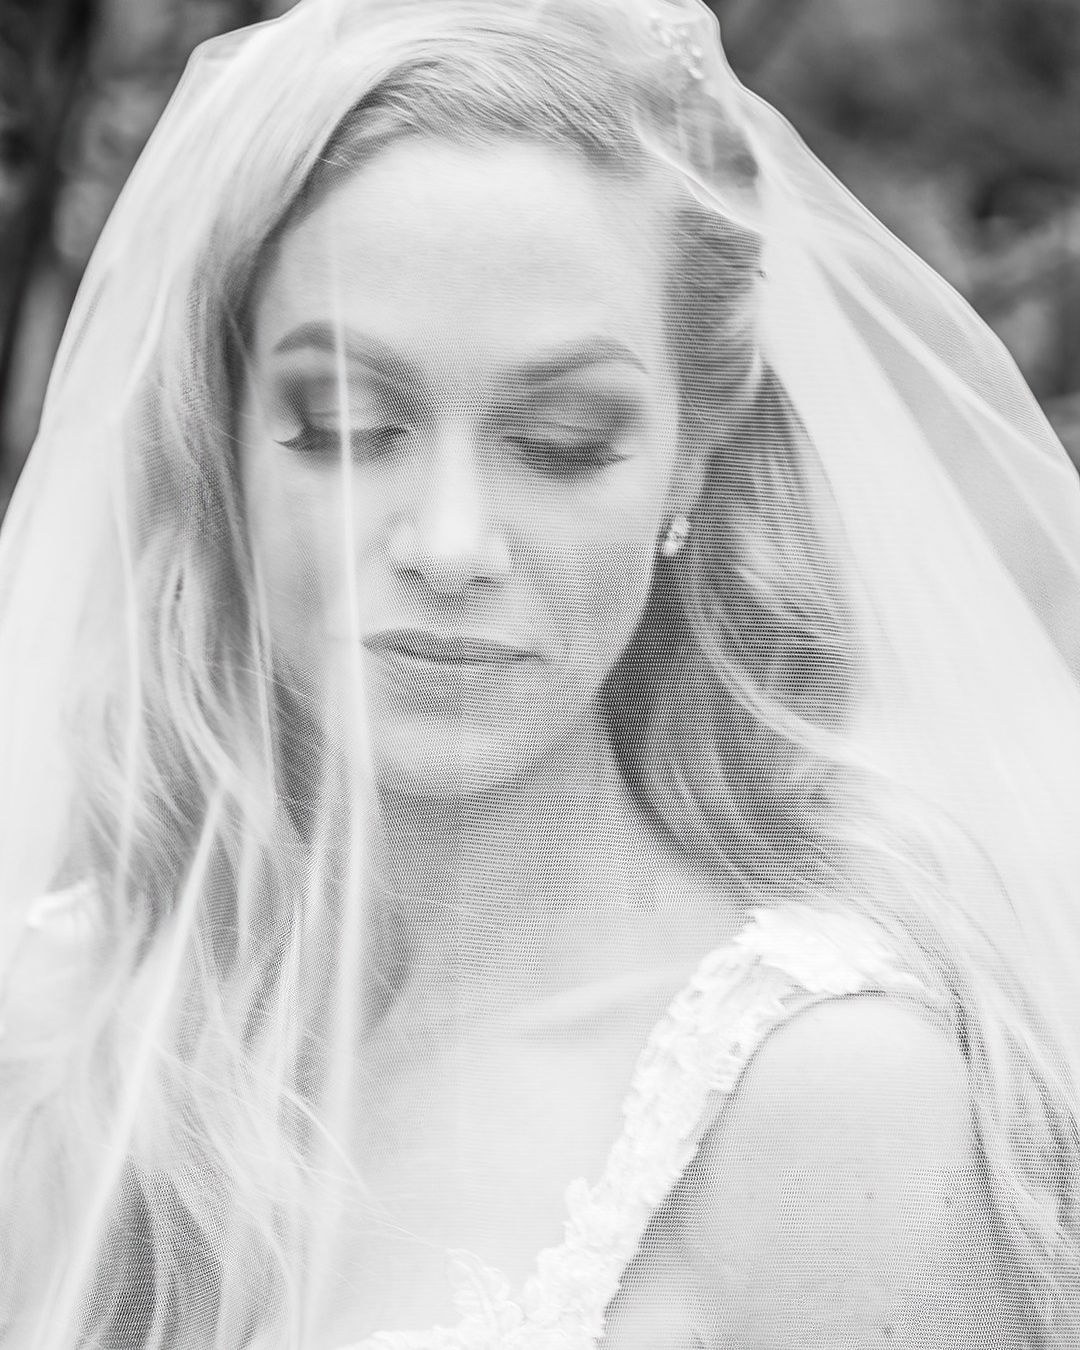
(453, 650)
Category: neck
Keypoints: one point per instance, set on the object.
(528, 886)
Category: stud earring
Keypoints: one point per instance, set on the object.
(678, 532)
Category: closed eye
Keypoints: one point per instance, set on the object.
(317, 442)
(565, 458)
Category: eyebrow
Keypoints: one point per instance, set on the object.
(384, 361)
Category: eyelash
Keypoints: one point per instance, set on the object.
(576, 460)
(322, 443)
(553, 457)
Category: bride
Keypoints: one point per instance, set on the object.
(540, 755)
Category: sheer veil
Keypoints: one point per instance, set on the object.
(151, 746)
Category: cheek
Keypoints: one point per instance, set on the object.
(601, 587)
(618, 583)
(295, 528)
(615, 531)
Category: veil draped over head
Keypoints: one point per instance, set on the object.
(182, 1118)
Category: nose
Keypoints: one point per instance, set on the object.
(449, 538)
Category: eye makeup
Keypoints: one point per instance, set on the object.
(307, 416)
(563, 432)
(572, 432)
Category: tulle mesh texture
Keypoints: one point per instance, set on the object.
(522, 590)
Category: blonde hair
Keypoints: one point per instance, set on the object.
(727, 711)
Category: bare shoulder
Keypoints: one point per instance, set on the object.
(840, 1198)
(861, 1061)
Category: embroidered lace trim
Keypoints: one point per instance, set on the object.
(782, 960)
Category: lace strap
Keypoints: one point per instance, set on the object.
(783, 961)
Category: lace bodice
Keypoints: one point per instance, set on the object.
(781, 962)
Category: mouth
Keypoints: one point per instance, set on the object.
(451, 650)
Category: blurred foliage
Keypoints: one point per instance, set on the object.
(954, 120)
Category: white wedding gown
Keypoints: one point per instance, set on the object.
(781, 962)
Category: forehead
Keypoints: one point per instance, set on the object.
(469, 260)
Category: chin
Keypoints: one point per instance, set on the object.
(445, 762)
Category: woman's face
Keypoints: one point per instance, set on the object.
(459, 447)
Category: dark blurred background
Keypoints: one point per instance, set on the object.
(956, 121)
